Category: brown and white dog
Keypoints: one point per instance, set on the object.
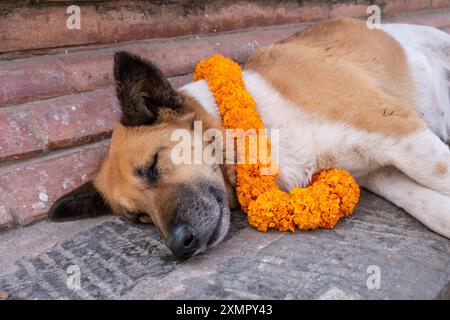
(373, 102)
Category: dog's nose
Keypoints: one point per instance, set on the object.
(183, 243)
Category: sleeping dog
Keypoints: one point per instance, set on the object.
(374, 102)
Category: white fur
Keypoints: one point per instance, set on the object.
(304, 139)
(420, 162)
(428, 54)
(426, 205)
(200, 91)
(307, 143)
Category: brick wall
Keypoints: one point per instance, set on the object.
(39, 25)
(57, 105)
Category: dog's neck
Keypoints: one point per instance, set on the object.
(297, 147)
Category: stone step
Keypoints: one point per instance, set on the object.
(379, 252)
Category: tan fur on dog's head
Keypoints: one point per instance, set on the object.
(188, 203)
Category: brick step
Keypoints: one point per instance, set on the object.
(39, 127)
(438, 19)
(80, 108)
(48, 76)
(33, 29)
(28, 189)
(81, 70)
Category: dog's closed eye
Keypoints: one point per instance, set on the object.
(149, 172)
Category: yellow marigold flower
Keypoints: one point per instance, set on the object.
(304, 209)
(332, 194)
(271, 209)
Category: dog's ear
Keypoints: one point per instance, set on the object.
(142, 90)
(83, 202)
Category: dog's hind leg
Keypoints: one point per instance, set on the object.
(428, 206)
(423, 157)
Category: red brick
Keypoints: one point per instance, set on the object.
(402, 6)
(76, 119)
(348, 10)
(37, 127)
(21, 80)
(434, 19)
(45, 27)
(180, 81)
(180, 56)
(89, 69)
(31, 78)
(130, 23)
(17, 137)
(26, 79)
(438, 4)
(28, 189)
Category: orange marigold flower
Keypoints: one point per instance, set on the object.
(333, 193)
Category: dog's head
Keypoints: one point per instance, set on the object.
(188, 203)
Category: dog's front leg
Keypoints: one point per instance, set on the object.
(426, 205)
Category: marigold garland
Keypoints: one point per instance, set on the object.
(332, 194)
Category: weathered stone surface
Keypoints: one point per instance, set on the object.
(17, 137)
(6, 219)
(123, 260)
